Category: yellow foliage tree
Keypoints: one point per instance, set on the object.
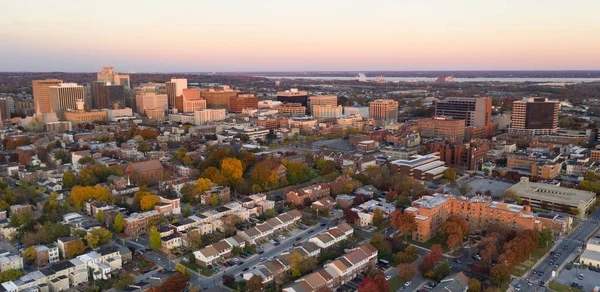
(81, 194)
(232, 169)
(147, 202)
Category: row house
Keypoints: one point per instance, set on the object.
(277, 268)
(266, 229)
(337, 273)
(333, 236)
(170, 242)
(10, 262)
(65, 244)
(215, 252)
(311, 193)
(46, 254)
(347, 161)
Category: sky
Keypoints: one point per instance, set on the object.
(307, 35)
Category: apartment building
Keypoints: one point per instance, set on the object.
(311, 193)
(384, 110)
(475, 111)
(322, 100)
(243, 101)
(535, 116)
(293, 109)
(421, 167)
(46, 254)
(264, 230)
(327, 111)
(41, 94)
(206, 116)
(430, 212)
(443, 128)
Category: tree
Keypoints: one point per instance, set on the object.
(264, 173)
(147, 202)
(228, 280)
(545, 238)
(500, 273)
(103, 235)
(81, 194)
(381, 283)
(69, 180)
(155, 241)
(442, 270)
(76, 248)
(474, 285)
(351, 216)
(367, 285)
(192, 258)
(406, 272)
(451, 173)
(187, 211)
(125, 281)
(100, 217)
(589, 185)
(30, 253)
(11, 275)
(296, 258)
(378, 217)
(404, 222)
(379, 242)
(511, 194)
(177, 283)
(214, 200)
(232, 169)
(255, 284)
(215, 175)
(92, 240)
(464, 188)
(118, 223)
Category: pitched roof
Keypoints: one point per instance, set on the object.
(144, 166)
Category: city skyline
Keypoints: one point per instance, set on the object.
(232, 36)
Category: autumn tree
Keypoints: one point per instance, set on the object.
(215, 175)
(381, 282)
(408, 255)
(155, 241)
(441, 270)
(232, 169)
(147, 202)
(474, 285)
(350, 215)
(500, 273)
(81, 194)
(30, 253)
(264, 173)
(177, 283)
(367, 285)
(75, 248)
(118, 223)
(255, 284)
(453, 230)
(404, 222)
(69, 180)
(406, 272)
(100, 217)
(451, 173)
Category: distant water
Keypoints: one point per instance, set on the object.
(432, 79)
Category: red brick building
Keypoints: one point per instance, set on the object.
(146, 172)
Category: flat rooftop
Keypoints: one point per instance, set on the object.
(552, 193)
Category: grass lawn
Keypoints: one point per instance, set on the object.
(395, 283)
(428, 244)
(198, 268)
(562, 288)
(308, 222)
(523, 267)
(240, 285)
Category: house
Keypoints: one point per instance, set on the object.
(170, 242)
(145, 173)
(46, 254)
(65, 244)
(323, 205)
(458, 282)
(10, 262)
(310, 193)
(344, 201)
(332, 236)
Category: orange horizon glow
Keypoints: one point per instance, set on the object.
(299, 35)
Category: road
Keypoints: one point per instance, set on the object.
(574, 241)
(215, 280)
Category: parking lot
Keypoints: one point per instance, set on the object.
(480, 184)
(590, 278)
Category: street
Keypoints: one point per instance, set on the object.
(215, 280)
(573, 241)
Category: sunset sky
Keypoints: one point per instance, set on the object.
(201, 36)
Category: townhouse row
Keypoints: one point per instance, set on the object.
(336, 273)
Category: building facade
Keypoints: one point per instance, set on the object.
(476, 111)
(242, 101)
(41, 94)
(442, 127)
(535, 116)
(384, 110)
(327, 111)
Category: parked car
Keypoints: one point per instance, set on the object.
(298, 238)
(310, 231)
(323, 224)
(518, 287)
(262, 259)
(387, 278)
(407, 283)
(245, 269)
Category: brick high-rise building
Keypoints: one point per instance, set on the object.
(476, 111)
(175, 89)
(190, 101)
(151, 96)
(242, 101)
(384, 110)
(107, 96)
(65, 96)
(218, 98)
(535, 115)
(469, 155)
(4, 109)
(442, 127)
(41, 94)
(321, 100)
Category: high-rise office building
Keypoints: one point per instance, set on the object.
(66, 97)
(293, 96)
(219, 97)
(107, 96)
(109, 76)
(535, 115)
(384, 110)
(151, 96)
(327, 111)
(442, 127)
(4, 109)
(476, 111)
(175, 89)
(41, 94)
(189, 101)
(242, 101)
(321, 100)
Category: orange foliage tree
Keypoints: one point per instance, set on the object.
(81, 194)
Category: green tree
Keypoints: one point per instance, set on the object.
(100, 217)
(442, 270)
(155, 242)
(187, 211)
(464, 188)
(545, 238)
(474, 285)
(118, 223)
(92, 240)
(30, 253)
(378, 217)
(10, 275)
(192, 258)
(214, 200)
(69, 180)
